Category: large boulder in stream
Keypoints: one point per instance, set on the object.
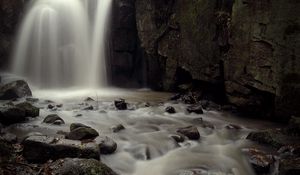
(30, 110)
(15, 89)
(70, 166)
(39, 149)
(11, 114)
(81, 132)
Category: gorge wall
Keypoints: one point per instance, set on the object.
(250, 48)
(245, 52)
(10, 12)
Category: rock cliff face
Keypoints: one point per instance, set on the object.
(10, 11)
(248, 48)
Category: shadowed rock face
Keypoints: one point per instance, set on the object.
(10, 11)
(248, 48)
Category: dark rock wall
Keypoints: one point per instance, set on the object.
(126, 67)
(10, 11)
(251, 48)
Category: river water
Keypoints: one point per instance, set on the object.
(145, 146)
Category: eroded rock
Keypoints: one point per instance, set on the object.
(39, 149)
(12, 114)
(74, 166)
(15, 89)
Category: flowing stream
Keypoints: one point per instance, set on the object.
(61, 43)
(145, 146)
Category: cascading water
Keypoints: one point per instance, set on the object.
(61, 43)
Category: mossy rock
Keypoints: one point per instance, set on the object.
(30, 110)
(81, 167)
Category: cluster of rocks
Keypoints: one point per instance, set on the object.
(287, 143)
(74, 152)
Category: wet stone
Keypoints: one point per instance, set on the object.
(274, 138)
(12, 114)
(170, 110)
(107, 145)
(39, 149)
(75, 166)
(74, 126)
(51, 106)
(53, 119)
(82, 133)
(178, 138)
(190, 132)
(117, 128)
(14, 90)
(30, 110)
(120, 104)
(260, 161)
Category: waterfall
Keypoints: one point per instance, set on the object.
(62, 43)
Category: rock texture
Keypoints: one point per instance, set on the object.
(247, 50)
(10, 11)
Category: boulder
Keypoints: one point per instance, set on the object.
(107, 145)
(120, 104)
(190, 132)
(117, 128)
(74, 126)
(39, 149)
(12, 114)
(70, 166)
(53, 119)
(260, 161)
(170, 110)
(267, 137)
(195, 109)
(15, 89)
(82, 133)
(30, 110)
